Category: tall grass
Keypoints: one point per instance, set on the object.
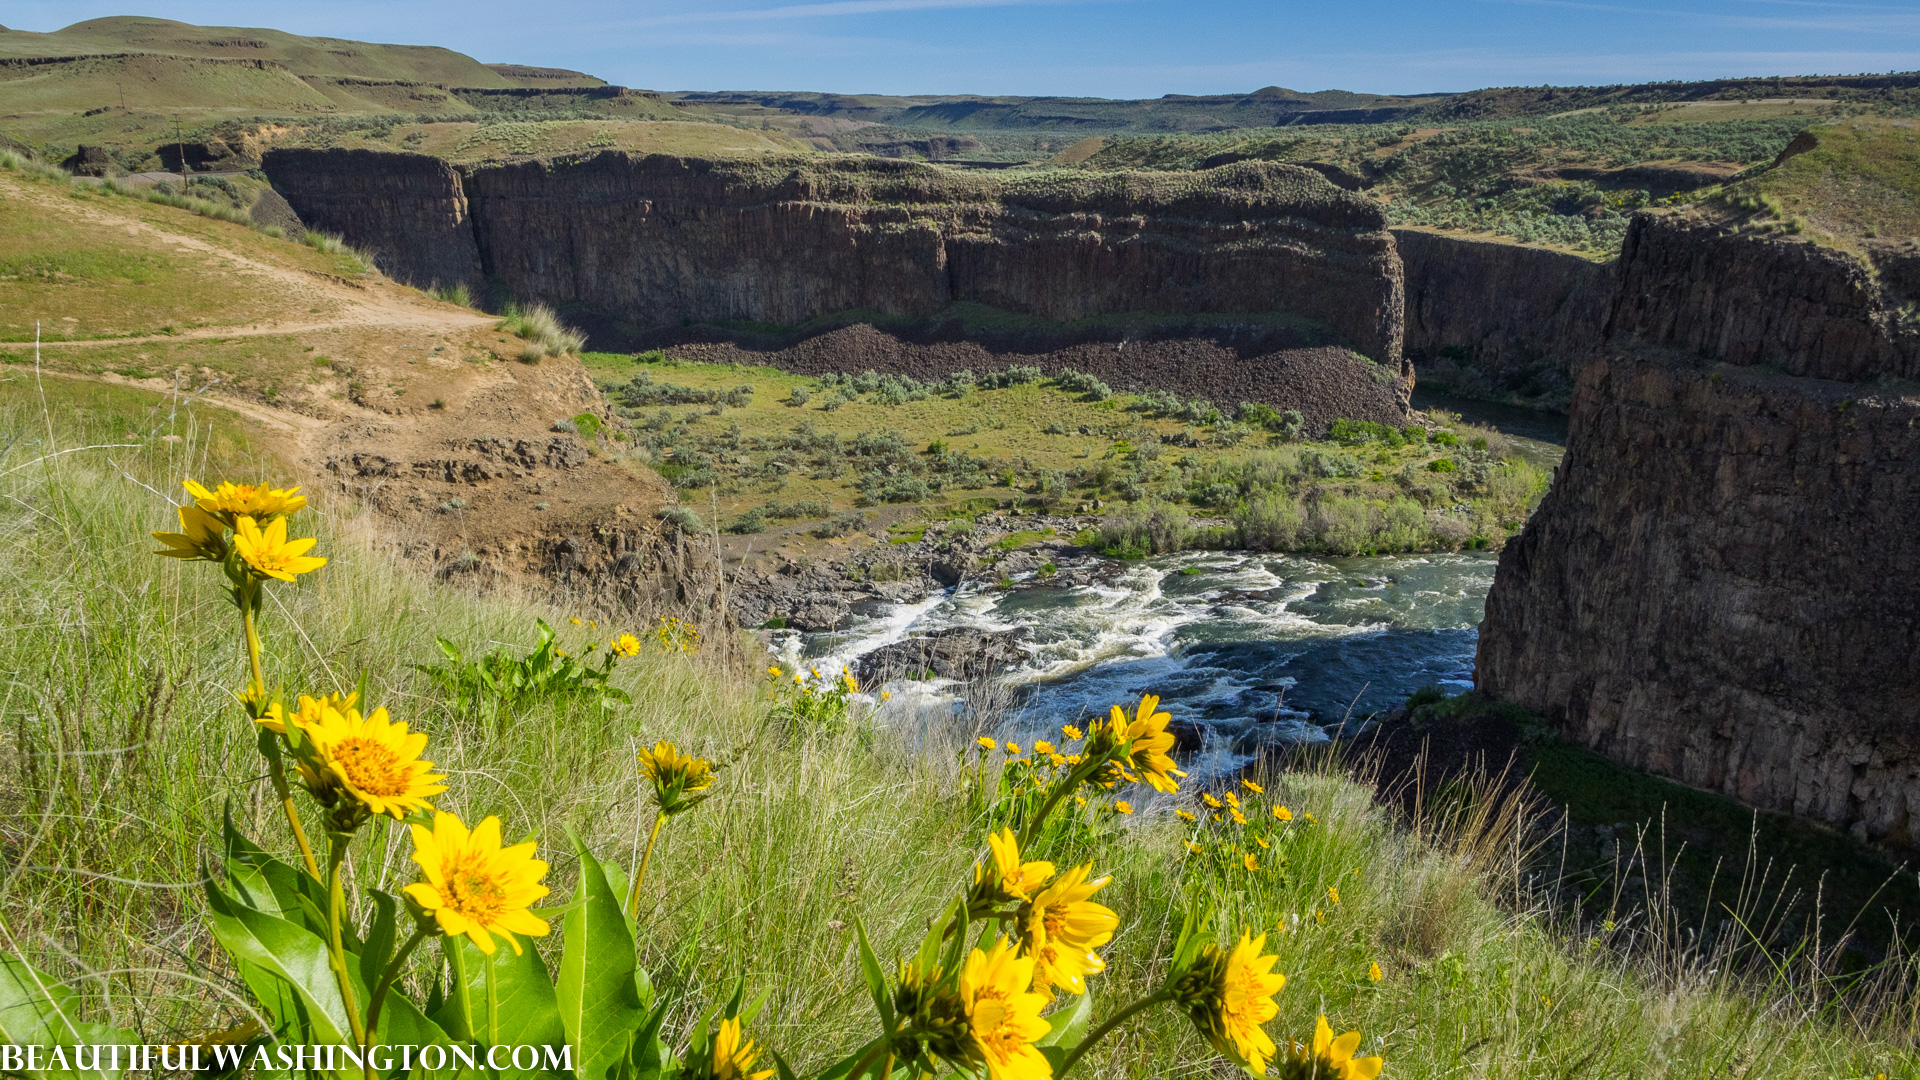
(120, 749)
(329, 244)
(544, 333)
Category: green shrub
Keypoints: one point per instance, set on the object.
(587, 424)
(544, 676)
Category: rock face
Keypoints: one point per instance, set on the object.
(662, 242)
(1494, 320)
(1721, 586)
(955, 653)
(408, 210)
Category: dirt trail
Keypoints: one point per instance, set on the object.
(380, 303)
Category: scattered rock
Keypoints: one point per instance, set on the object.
(958, 653)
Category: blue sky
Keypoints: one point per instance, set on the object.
(1101, 48)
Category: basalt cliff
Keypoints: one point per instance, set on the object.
(1253, 281)
(1721, 586)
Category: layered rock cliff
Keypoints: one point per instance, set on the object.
(1500, 320)
(408, 210)
(663, 242)
(1721, 586)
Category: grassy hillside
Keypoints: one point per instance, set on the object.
(1569, 181)
(122, 748)
(298, 54)
(1846, 183)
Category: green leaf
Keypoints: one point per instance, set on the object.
(39, 1011)
(876, 979)
(381, 933)
(1070, 1024)
(275, 947)
(599, 1002)
(527, 1013)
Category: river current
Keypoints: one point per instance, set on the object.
(1252, 648)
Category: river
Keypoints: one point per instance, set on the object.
(1252, 648)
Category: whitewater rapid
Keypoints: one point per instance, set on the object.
(1253, 649)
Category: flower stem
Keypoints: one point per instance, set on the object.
(336, 911)
(387, 979)
(244, 597)
(1112, 1022)
(1066, 784)
(633, 891)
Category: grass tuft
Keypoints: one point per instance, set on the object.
(545, 334)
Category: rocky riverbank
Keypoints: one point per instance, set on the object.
(817, 588)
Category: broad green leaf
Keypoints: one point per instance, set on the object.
(279, 948)
(1070, 1024)
(38, 1011)
(599, 1002)
(525, 1012)
(377, 950)
(268, 884)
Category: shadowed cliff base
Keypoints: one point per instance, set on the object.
(1644, 853)
(1275, 359)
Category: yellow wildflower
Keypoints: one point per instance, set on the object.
(1073, 759)
(1252, 864)
(1185, 815)
(1003, 1015)
(1251, 786)
(1309, 818)
(1238, 817)
(1331, 1058)
(678, 779)
(474, 886)
(309, 710)
(1374, 973)
(1230, 995)
(626, 645)
(201, 536)
(986, 743)
(774, 671)
(1079, 800)
(1232, 800)
(575, 621)
(1013, 748)
(1195, 848)
(229, 502)
(1043, 747)
(372, 760)
(733, 1055)
(1333, 894)
(270, 553)
(1207, 797)
(1283, 813)
(886, 695)
(1004, 877)
(1150, 742)
(1072, 733)
(1319, 917)
(1262, 841)
(1122, 806)
(1061, 928)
